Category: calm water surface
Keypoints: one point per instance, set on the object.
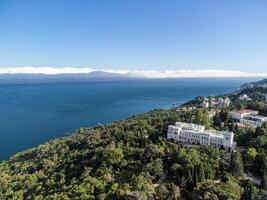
(31, 114)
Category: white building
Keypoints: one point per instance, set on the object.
(250, 86)
(248, 117)
(223, 102)
(196, 134)
(205, 104)
(213, 102)
(244, 97)
(239, 114)
(253, 120)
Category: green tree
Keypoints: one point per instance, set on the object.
(216, 119)
(219, 191)
(249, 157)
(202, 117)
(112, 156)
(224, 115)
(143, 184)
(250, 191)
(237, 164)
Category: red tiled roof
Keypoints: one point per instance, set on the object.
(244, 111)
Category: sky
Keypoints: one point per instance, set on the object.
(135, 34)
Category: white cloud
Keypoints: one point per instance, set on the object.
(135, 73)
(195, 73)
(44, 70)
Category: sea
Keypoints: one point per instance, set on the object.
(33, 113)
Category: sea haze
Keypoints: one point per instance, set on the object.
(33, 113)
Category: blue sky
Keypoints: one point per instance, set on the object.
(135, 34)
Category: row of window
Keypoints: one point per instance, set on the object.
(249, 122)
(213, 141)
(216, 141)
(197, 137)
(215, 144)
(204, 143)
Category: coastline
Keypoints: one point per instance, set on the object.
(41, 112)
(135, 114)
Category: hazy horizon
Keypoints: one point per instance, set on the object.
(125, 73)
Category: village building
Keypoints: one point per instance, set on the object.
(248, 117)
(244, 97)
(239, 114)
(214, 102)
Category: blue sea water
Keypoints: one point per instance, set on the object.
(31, 114)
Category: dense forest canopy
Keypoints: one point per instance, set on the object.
(132, 159)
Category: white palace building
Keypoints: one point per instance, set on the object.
(196, 134)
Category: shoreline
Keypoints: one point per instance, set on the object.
(168, 107)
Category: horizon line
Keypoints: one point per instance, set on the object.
(171, 73)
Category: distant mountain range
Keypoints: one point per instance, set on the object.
(72, 74)
(44, 78)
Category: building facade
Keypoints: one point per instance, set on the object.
(239, 114)
(244, 97)
(214, 102)
(248, 117)
(253, 120)
(196, 134)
